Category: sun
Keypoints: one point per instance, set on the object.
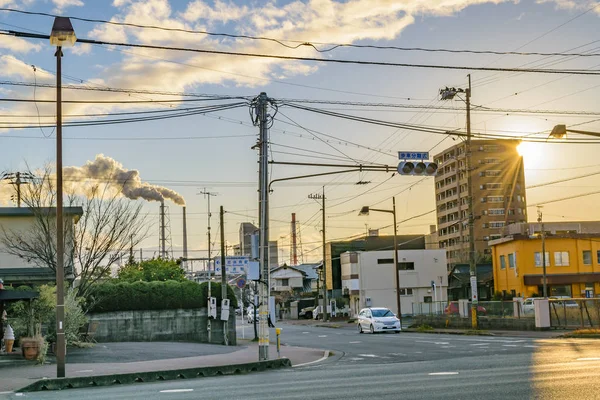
(531, 152)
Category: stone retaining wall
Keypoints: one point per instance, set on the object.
(160, 325)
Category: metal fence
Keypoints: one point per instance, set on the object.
(495, 309)
(574, 313)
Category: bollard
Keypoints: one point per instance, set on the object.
(278, 332)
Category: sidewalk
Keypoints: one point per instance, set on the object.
(118, 361)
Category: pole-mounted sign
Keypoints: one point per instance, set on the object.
(413, 155)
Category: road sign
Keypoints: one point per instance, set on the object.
(241, 283)
(474, 289)
(233, 265)
(413, 155)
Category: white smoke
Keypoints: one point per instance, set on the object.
(106, 169)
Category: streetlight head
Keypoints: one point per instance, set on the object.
(364, 211)
(559, 131)
(448, 93)
(62, 33)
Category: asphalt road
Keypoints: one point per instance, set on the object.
(393, 366)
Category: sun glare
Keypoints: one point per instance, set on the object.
(531, 153)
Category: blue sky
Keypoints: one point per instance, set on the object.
(228, 165)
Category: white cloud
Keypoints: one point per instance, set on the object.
(60, 5)
(18, 45)
(81, 49)
(573, 4)
(221, 12)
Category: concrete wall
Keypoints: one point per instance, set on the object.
(160, 325)
(485, 323)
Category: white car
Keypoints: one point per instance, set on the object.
(378, 319)
(250, 315)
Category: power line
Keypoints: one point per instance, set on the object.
(300, 43)
(319, 60)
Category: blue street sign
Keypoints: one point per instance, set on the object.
(413, 155)
(241, 283)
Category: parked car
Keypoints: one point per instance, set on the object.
(378, 319)
(452, 309)
(250, 315)
(306, 313)
(528, 307)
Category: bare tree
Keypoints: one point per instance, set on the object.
(109, 226)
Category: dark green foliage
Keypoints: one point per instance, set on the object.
(158, 295)
(156, 269)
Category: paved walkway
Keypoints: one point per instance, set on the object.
(114, 358)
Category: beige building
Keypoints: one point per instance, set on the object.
(498, 184)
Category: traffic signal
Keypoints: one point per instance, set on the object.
(417, 168)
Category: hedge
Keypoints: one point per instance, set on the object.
(157, 295)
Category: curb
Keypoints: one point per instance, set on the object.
(465, 333)
(154, 376)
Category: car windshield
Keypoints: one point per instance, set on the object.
(382, 313)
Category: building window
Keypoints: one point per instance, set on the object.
(495, 199)
(587, 257)
(493, 186)
(285, 282)
(512, 260)
(491, 161)
(385, 261)
(406, 266)
(492, 172)
(496, 224)
(561, 258)
(406, 292)
(496, 211)
(538, 259)
(598, 256)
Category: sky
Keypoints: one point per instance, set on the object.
(213, 152)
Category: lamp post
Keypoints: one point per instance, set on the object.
(365, 211)
(62, 35)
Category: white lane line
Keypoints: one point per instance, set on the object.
(305, 332)
(325, 355)
(368, 355)
(509, 345)
(418, 352)
(530, 345)
(176, 390)
(322, 335)
(356, 359)
(355, 342)
(589, 359)
(397, 354)
(6, 392)
(86, 370)
(480, 344)
(442, 373)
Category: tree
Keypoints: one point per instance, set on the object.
(109, 226)
(157, 269)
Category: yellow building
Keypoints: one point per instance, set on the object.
(572, 264)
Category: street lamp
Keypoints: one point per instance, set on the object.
(560, 131)
(365, 211)
(62, 35)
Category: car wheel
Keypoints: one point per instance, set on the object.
(372, 329)
(360, 330)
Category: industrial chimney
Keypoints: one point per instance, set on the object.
(185, 245)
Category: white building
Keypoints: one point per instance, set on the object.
(368, 278)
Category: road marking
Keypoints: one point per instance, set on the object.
(356, 359)
(397, 354)
(442, 373)
(355, 342)
(86, 370)
(322, 335)
(325, 355)
(176, 390)
(589, 359)
(5, 392)
(509, 345)
(480, 344)
(368, 355)
(447, 347)
(305, 332)
(426, 341)
(530, 345)
(418, 352)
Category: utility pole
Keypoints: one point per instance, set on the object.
(545, 283)
(223, 274)
(260, 105)
(208, 325)
(448, 94)
(322, 197)
(472, 265)
(17, 179)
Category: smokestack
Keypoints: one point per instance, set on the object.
(106, 169)
(163, 239)
(294, 255)
(185, 245)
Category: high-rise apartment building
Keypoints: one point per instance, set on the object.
(498, 184)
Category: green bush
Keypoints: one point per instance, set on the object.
(157, 295)
(156, 269)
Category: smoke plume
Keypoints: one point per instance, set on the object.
(106, 169)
